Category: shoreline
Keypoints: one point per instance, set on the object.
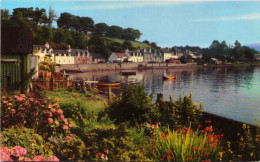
(81, 68)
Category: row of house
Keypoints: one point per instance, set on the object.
(68, 56)
(150, 55)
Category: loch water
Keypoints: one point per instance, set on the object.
(231, 92)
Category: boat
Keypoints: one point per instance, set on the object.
(168, 78)
(108, 84)
(129, 73)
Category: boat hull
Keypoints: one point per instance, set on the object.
(169, 78)
(108, 84)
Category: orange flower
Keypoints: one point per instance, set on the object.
(169, 151)
(204, 149)
(196, 148)
(189, 159)
(207, 153)
(208, 160)
(208, 121)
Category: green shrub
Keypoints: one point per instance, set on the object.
(113, 138)
(133, 106)
(26, 138)
(178, 113)
(67, 148)
(186, 145)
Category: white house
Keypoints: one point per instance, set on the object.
(136, 56)
(119, 57)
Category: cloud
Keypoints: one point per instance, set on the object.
(122, 5)
(255, 16)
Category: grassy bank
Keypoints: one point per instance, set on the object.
(134, 43)
(71, 97)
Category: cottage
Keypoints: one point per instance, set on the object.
(43, 51)
(178, 52)
(167, 54)
(119, 57)
(135, 56)
(15, 58)
(148, 55)
(63, 57)
(97, 58)
(81, 56)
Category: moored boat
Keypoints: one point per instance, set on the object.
(108, 84)
(129, 73)
(168, 78)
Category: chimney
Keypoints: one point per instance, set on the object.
(47, 45)
(69, 48)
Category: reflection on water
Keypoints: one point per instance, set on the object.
(229, 92)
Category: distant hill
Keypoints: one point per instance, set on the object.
(135, 44)
(256, 46)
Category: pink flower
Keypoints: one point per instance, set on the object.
(27, 159)
(22, 95)
(50, 120)
(59, 111)
(31, 99)
(16, 97)
(5, 102)
(53, 158)
(65, 121)
(5, 156)
(56, 105)
(67, 137)
(13, 111)
(39, 158)
(53, 110)
(62, 117)
(72, 135)
(18, 151)
(65, 127)
(6, 150)
(70, 125)
(3, 97)
(49, 114)
(56, 122)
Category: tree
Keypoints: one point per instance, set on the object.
(154, 45)
(127, 44)
(39, 16)
(131, 34)
(86, 24)
(114, 31)
(65, 21)
(5, 15)
(146, 42)
(52, 16)
(223, 45)
(101, 29)
(215, 44)
(237, 44)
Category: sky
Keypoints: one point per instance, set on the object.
(168, 23)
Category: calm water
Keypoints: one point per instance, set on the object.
(230, 92)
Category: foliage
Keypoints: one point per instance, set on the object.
(26, 138)
(44, 118)
(67, 148)
(101, 29)
(186, 145)
(18, 153)
(181, 112)
(133, 106)
(112, 141)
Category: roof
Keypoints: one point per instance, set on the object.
(16, 40)
(121, 55)
(146, 50)
(97, 56)
(177, 50)
(74, 52)
(165, 50)
(56, 52)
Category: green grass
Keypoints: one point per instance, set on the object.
(134, 43)
(92, 102)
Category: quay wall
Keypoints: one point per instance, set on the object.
(123, 66)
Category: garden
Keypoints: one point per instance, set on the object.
(70, 125)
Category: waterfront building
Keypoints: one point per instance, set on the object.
(97, 58)
(119, 57)
(43, 51)
(168, 54)
(148, 55)
(135, 56)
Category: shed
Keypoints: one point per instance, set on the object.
(16, 45)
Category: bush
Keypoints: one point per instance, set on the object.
(67, 148)
(186, 145)
(112, 142)
(44, 118)
(25, 137)
(133, 106)
(179, 113)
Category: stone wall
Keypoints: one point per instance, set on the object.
(122, 66)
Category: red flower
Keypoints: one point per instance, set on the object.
(196, 148)
(67, 137)
(189, 159)
(59, 111)
(106, 151)
(208, 121)
(207, 153)
(39, 158)
(65, 127)
(50, 120)
(169, 151)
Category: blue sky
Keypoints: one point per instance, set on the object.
(168, 23)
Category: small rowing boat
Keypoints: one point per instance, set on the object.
(107, 84)
(168, 78)
(129, 73)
